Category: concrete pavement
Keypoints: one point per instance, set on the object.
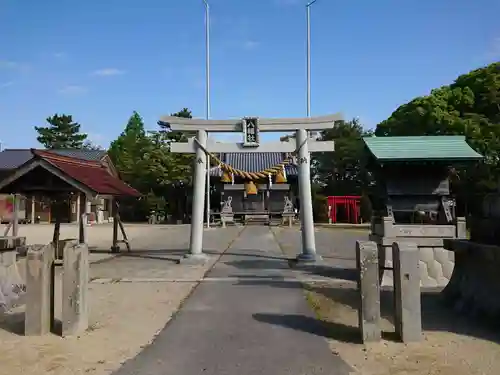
(248, 317)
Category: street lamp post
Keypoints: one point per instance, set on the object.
(207, 97)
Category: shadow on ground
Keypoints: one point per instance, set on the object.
(13, 322)
(310, 325)
(271, 263)
(436, 316)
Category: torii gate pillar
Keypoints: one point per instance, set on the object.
(196, 236)
(306, 208)
(250, 127)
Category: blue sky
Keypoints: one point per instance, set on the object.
(99, 60)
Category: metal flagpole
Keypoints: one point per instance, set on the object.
(207, 97)
(308, 11)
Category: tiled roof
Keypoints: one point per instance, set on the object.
(91, 155)
(443, 147)
(13, 158)
(92, 174)
(254, 162)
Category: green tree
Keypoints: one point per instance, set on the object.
(181, 165)
(341, 172)
(128, 152)
(62, 132)
(469, 106)
(145, 162)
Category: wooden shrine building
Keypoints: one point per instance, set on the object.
(264, 197)
(35, 209)
(57, 180)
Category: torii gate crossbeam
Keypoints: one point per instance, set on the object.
(250, 127)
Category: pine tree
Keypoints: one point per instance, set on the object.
(128, 151)
(61, 133)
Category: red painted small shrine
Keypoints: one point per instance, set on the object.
(345, 208)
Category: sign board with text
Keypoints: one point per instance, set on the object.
(250, 131)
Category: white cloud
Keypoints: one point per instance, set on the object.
(6, 84)
(108, 72)
(251, 44)
(72, 90)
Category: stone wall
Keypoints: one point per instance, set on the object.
(475, 285)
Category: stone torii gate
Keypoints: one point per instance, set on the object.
(250, 127)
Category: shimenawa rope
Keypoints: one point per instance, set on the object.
(250, 175)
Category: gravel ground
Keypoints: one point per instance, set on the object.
(451, 345)
(124, 316)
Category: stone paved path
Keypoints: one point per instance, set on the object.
(258, 324)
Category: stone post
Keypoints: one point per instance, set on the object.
(369, 289)
(306, 210)
(75, 314)
(39, 290)
(407, 314)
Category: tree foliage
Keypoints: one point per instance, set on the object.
(61, 132)
(181, 164)
(145, 162)
(469, 106)
(128, 152)
(341, 172)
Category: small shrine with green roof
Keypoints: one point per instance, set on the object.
(412, 175)
(412, 202)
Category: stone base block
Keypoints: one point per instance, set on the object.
(306, 262)
(194, 259)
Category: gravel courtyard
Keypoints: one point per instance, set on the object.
(134, 295)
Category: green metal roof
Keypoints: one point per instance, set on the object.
(440, 147)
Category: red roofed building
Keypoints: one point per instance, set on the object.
(90, 180)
